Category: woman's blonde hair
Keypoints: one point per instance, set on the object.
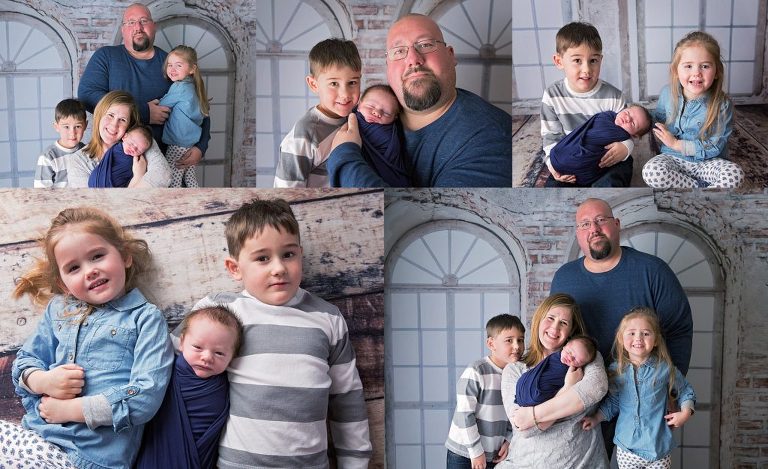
(717, 99)
(44, 281)
(96, 147)
(190, 56)
(536, 351)
(660, 350)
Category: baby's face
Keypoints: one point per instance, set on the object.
(379, 107)
(575, 354)
(135, 144)
(633, 120)
(207, 346)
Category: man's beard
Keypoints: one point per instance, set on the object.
(141, 44)
(603, 251)
(429, 97)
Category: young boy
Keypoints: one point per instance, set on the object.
(116, 168)
(70, 123)
(296, 368)
(570, 102)
(185, 431)
(382, 139)
(480, 430)
(334, 76)
(580, 152)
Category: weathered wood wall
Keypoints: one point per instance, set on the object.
(341, 232)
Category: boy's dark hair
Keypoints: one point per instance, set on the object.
(502, 322)
(578, 33)
(69, 108)
(221, 314)
(648, 116)
(252, 217)
(589, 343)
(334, 51)
(144, 130)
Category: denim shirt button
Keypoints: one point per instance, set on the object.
(131, 392)
(70, 357)
(113, 332)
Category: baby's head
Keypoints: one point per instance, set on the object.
(137, 140)
(579, 351)
(265, 250)
(579, 55)
(635, 119)
(210, 339)
(379, 105)
(506, 339)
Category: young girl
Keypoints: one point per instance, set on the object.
(643, 385)
(96, 368)
(185, 432)
(189, 105)
(698, 119)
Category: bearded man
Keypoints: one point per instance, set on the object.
(611, 279)
(453, 138)
(137, 67)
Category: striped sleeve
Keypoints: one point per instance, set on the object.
(464, 429)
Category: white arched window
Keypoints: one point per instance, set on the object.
(444, 280)
(694, 264)
(284, 34)
(214, 58)
(35, 74)
(480, 32)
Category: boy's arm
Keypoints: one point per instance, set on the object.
(295, 161)
(347, 411)
(464, 431)
(45, 175)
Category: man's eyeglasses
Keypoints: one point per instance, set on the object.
(587, 224)
(422, 47)
(133, 23)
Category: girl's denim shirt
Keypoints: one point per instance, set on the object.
(183, 125)
(690, 118)
(126, 353)
(639, 397)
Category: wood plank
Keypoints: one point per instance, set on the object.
(526, 144)
(342, 238)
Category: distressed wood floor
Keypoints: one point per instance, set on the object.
(748, 146)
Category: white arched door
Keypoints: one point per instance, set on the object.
(694, 264)
(444, 281)
(35, 74)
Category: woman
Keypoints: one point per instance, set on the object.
(551, 434)
(114, 114)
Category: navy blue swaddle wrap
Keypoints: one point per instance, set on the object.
(114, 170)
(579, 152)
(541, 383)
(185, 431)
(382, 144)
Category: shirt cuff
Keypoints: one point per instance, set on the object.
(23, 381)
(689, 148)
(97, 411)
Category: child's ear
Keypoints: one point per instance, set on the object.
(558, 60)
(233, 268)
(489, 342)
(312, 83)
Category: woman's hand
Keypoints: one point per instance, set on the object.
(502, 455)
(523, 418)
(573, 376)
(190, 158)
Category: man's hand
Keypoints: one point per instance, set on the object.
(190, 158)
(157, 113)
(662, 133)
(348, 133)
(63, 382)
(569, 178)
(589, 422)
(61, 411)
(616, 153)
